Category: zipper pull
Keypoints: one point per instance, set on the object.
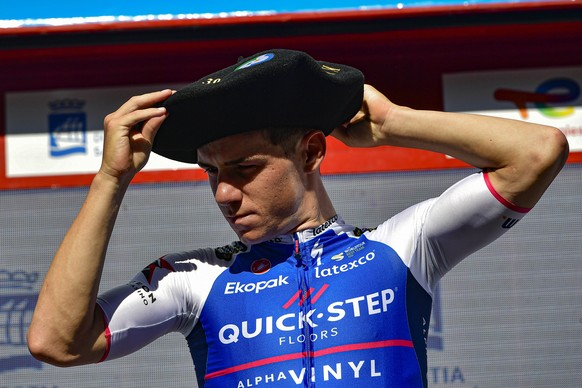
(297, 254)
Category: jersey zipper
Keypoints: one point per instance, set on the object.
(304, 308)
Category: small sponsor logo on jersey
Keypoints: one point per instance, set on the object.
(509, 223)
(241, 288)
(317, 252)
(338, 257)
(351, 251)
(347, 266)
(321, 228)
(260, 266)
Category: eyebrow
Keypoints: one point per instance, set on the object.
(203, 165)
(233, 162)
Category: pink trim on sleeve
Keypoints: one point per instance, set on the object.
(503, 201)
(107, 335)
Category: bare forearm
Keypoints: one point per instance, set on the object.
(66, 327)
(485, 142)
(65, 318)
(523, 158)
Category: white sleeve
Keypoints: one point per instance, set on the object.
(435, 235)
(167, 296)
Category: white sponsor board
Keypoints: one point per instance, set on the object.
(60, 132)
(551, 96)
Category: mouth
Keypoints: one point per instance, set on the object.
(238, 219)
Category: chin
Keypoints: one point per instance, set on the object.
(252, 237)
(252, 240)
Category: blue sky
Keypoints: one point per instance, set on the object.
(41, 9)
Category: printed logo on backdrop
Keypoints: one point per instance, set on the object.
(550, 96)
(67, 128)
(17, 302)
(60, 132)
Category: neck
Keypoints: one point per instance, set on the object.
(317, 207)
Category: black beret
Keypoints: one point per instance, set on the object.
(275, 89)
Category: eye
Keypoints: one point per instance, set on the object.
(209, 170)
(248, 169)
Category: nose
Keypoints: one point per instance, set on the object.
(226, 193)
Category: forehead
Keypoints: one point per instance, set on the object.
(236, 147)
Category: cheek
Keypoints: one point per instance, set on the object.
(281, 193)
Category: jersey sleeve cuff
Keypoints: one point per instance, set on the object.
(500, 198)
(107, 334)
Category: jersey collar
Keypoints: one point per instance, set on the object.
(335, 223)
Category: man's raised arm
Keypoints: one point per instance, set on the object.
(522, 158)
(67, 327)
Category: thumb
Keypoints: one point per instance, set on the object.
(151, 126)
(341, 133)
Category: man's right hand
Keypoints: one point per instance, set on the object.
(67, 327)
(129, 135)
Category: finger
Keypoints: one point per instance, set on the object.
(135, 119)
(361, 115)
(340, 133)
(139, 118)
(143, 101)
(125, 115)
(150, 128)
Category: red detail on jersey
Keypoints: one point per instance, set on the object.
(305, 296)
(148, 271)
(292, 300)
(317, 353)
(319, 293)
(503, 201)
(107, 335)
(260, 266)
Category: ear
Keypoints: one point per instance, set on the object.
(314, 146)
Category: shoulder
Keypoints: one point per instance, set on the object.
(222, 256)
(193, 262)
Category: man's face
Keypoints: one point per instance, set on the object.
(258, 188)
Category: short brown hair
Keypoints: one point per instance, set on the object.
(286, 138)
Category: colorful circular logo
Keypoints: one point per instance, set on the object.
(260, 266)
(255, 61)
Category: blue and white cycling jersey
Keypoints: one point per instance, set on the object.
(333, 306)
